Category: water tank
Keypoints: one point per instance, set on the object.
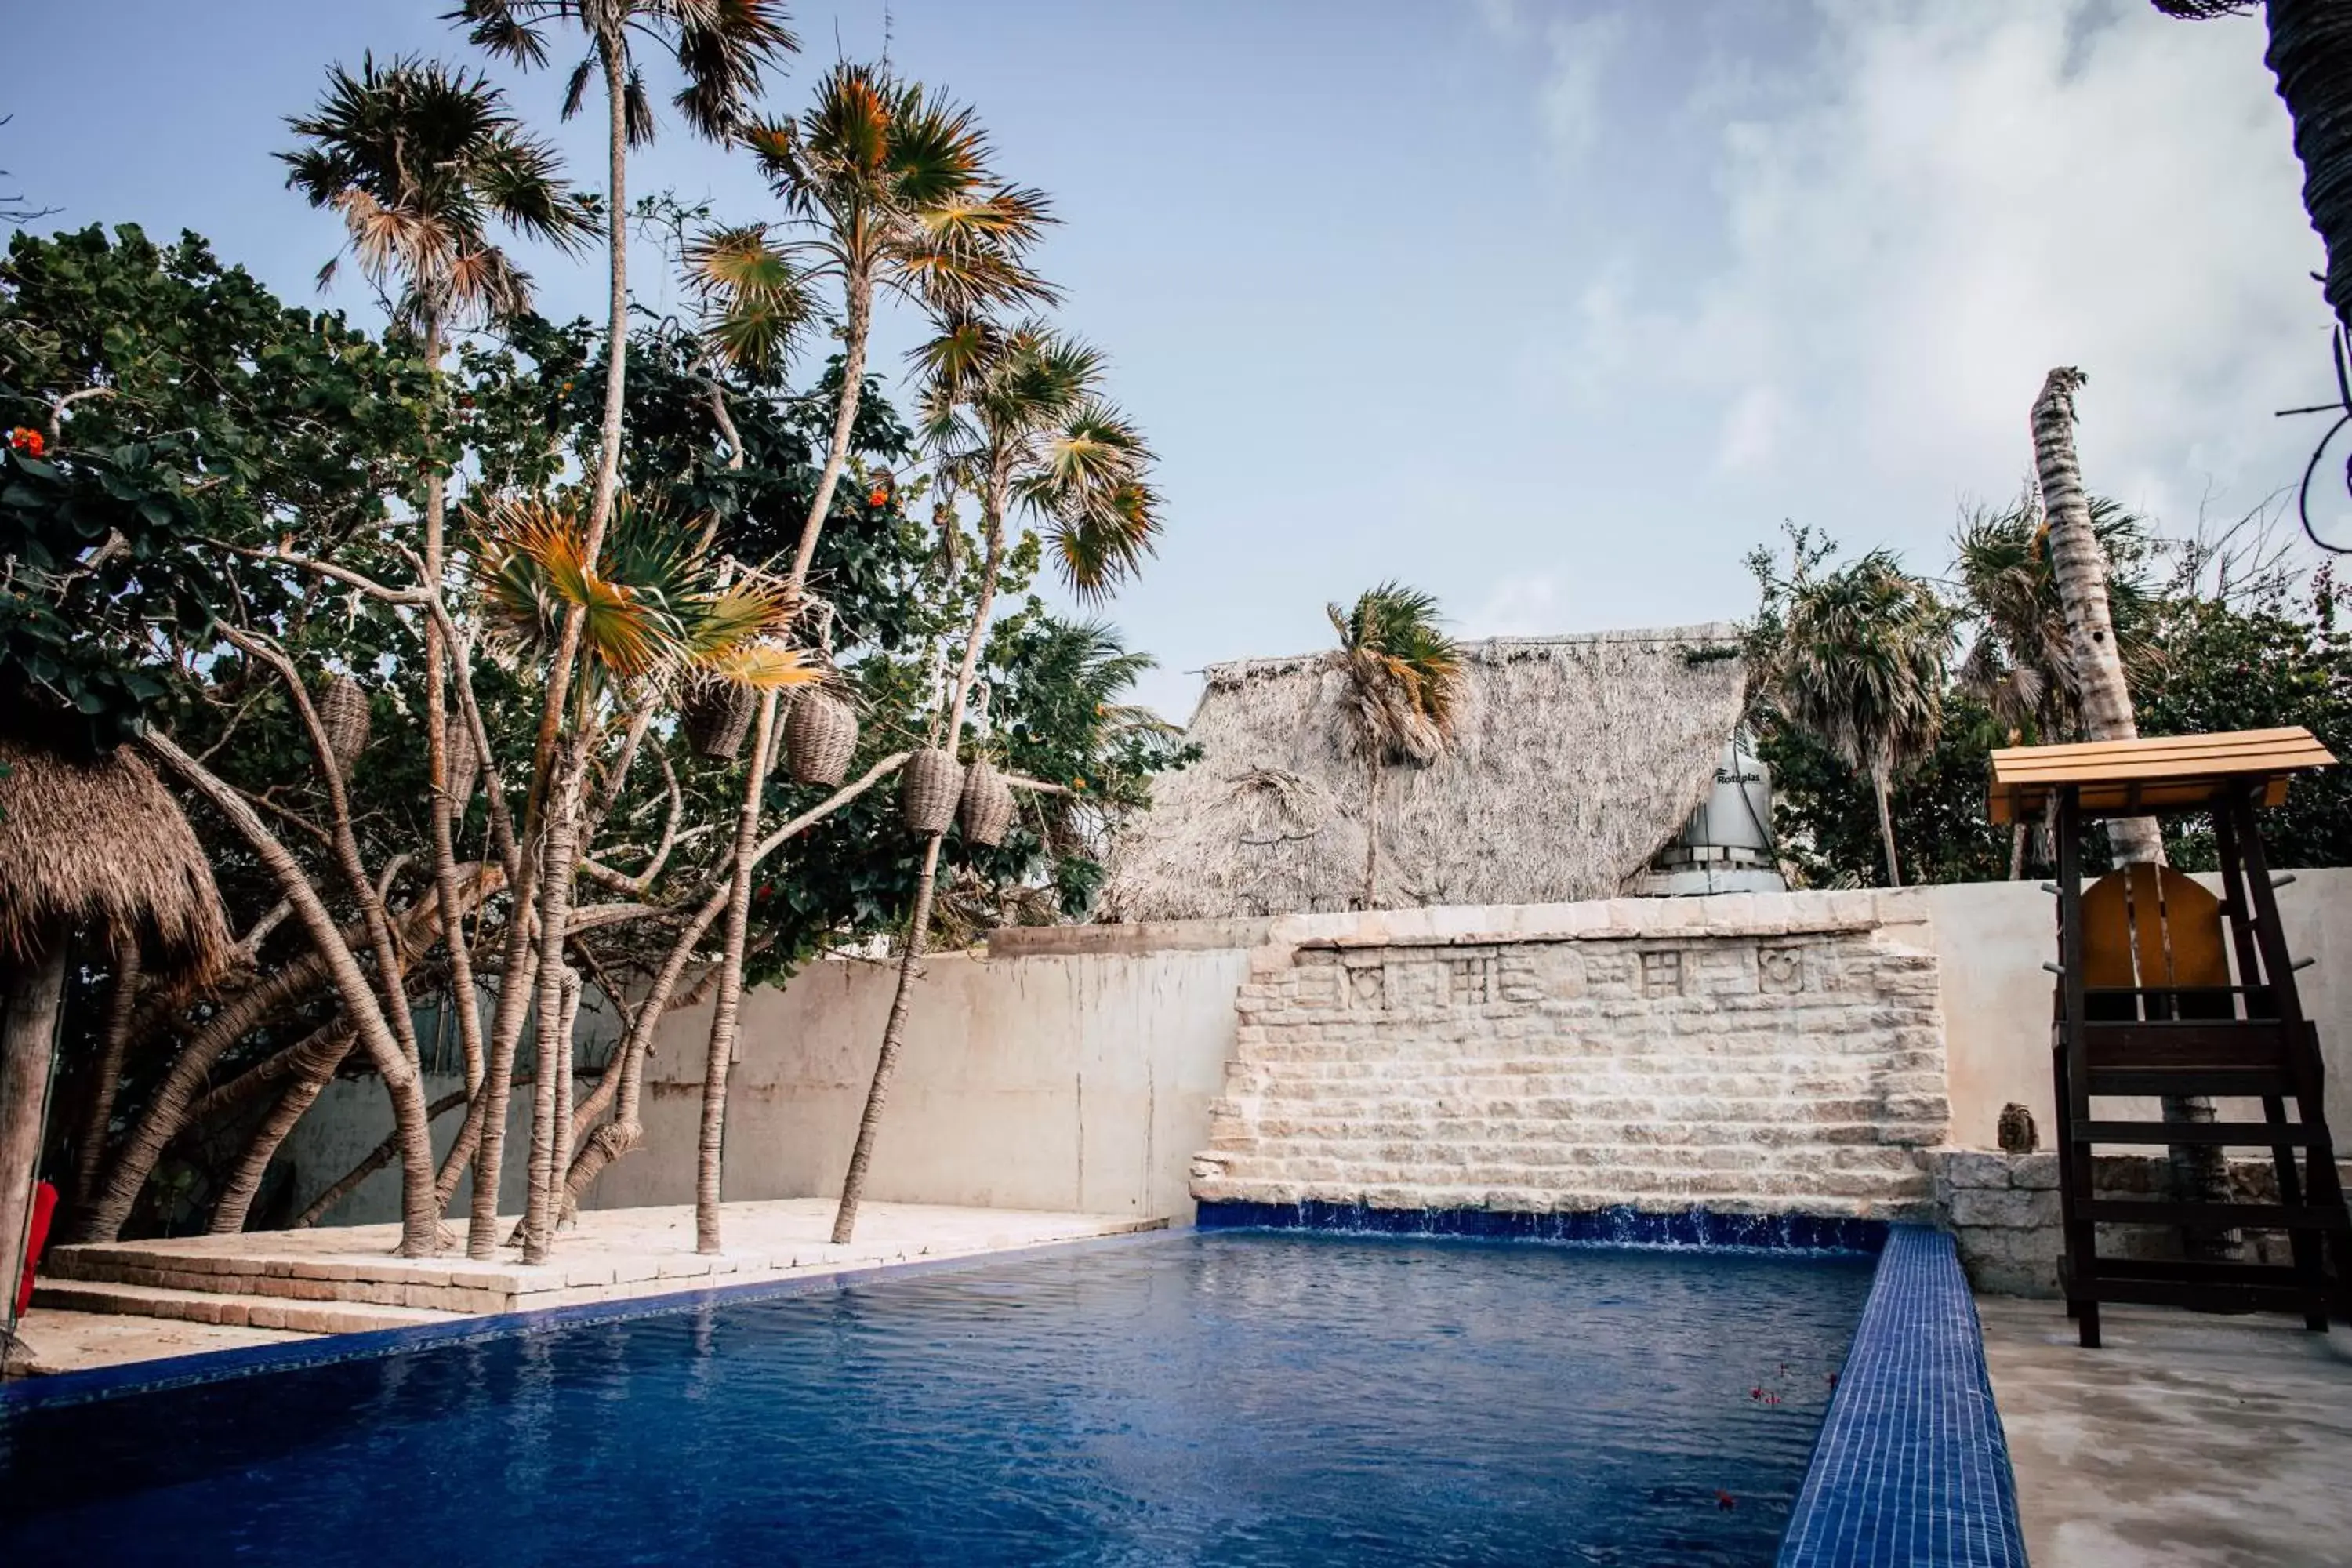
(1726, 845)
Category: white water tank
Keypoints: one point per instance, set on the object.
(1726, 845)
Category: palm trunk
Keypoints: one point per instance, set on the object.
(616, 303)
(1372, 824)
(2017, 851)
(487, 1118)
(122, 1004)
(2079, 568)
(35, 1000)
(554, 918)
(858, 289)
(244, 1185)
(893, 1031)
(1887, 830)
(2311, 54)
(560, 1139)
(726, 1012)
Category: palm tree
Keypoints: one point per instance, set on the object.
(2018, 662)
(2311, 55)
(723, 47)
(1860, 663)
(1404, 683)
(1017, 418)
(888, 186)
(650, 609)
(422, 162)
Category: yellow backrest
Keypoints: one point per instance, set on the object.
(2151, 927)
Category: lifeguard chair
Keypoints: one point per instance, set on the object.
(2166, 989)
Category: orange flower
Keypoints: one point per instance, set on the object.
(877, 497)
(28, 441)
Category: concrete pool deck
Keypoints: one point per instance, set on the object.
(2189, 1441)
(113, 1303)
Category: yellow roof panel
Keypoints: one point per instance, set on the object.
(2160, 772)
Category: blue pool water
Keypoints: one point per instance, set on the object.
(1222, 1398)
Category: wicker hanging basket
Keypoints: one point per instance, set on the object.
(716, 716)
(343, 715)
(820, 737)
(464, 763)
(930, 790)
(987, 809)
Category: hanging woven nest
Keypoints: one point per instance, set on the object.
(716, 716)
(929, 790)
(464, 763)
(820, 737)
(343, 715)
(987, 809)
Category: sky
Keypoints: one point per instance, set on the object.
(1553, 309)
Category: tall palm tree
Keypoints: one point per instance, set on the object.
(723, 50)
(423, 163)
(1404, 684)
(1016, 417)
(889, 187)
(2311, 55)
(1861, 665)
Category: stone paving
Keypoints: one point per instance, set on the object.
(2189, 1441)
(102, 1304)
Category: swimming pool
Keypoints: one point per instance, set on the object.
(1196, 1398)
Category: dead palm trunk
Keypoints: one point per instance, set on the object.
(33, 997)
(727, 1010)
(1371, 823)
(893, 1031)
(2079, 568)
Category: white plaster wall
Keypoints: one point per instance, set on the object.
(1994, 938)
(1075, 1081)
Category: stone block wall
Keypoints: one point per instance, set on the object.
(1751, 1054)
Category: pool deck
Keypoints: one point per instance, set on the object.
(109, 1304)
(2189, 1441)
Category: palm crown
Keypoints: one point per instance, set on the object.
(722, 47)
(1404, 675)
(1019, 414)
(1861, 664)
(2020, 662)
(421, 161)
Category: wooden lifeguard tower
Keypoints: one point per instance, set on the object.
(2165, 989)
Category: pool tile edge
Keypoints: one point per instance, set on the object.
(1695, 1227)
(131, 1378)
(1911, 1466)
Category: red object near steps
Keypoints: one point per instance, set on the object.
(45, 1204)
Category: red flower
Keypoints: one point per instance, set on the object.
(877, 497)
(28, 441)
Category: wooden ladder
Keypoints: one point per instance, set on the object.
(2146, 1005)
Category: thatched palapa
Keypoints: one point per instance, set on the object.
(101, 843)
(1576, 758)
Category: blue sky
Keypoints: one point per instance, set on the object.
(1553, 309)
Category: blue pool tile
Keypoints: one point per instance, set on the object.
(1616, 1226)
(1911, 1467)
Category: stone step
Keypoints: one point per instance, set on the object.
(239, 1312)
(438, 1288)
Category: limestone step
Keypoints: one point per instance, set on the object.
(440, 1286)
(240, 1312)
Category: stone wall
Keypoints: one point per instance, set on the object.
(1751, 1053)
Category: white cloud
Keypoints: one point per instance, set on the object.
(1948, 200)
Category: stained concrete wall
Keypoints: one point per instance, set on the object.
(1060, 1069)
(1994, 937)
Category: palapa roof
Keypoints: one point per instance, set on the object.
(101, 843)
(1575, 758)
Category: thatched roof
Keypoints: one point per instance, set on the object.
(101, 843)
(1576, 758)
